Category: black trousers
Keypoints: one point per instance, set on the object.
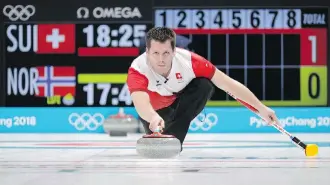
(190, 102)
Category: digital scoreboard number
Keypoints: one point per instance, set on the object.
(279, 54)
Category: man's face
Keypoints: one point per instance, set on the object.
(160, 56)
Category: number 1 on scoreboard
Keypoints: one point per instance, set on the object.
(313, 47)
(312, 39)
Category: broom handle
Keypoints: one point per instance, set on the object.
(278, 127)
(295, 140)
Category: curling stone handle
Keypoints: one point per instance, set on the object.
(158, 130)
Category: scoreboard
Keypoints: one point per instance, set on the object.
(280, 54)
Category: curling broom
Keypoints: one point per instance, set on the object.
(310, 149)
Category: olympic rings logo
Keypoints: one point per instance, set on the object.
(86, 121)
(203, 122)
(19, 12)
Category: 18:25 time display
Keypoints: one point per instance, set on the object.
(114, 36)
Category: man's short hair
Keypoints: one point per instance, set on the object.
(161, 34)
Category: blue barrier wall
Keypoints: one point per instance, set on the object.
(211, 120)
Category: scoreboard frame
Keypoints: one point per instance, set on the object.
(232, 28)
(118, 78)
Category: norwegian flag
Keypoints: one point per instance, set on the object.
(56, 81)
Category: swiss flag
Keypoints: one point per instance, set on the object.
(56, 38)
(178, 76)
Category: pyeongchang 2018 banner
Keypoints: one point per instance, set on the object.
(210, 120)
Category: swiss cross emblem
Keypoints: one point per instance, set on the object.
(56, 39)
(178, 76)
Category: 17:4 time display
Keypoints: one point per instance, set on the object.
(101, 93)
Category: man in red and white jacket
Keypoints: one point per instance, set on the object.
(170, 86)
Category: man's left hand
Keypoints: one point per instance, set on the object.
(269, 116)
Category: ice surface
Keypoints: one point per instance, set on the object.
(207, 159)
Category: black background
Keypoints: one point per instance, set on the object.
(65, 11)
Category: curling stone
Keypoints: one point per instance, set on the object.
(120, 124)
(158, 146)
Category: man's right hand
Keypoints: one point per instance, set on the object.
(145, 110)
(156, 121)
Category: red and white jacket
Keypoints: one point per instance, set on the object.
(185, 67)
